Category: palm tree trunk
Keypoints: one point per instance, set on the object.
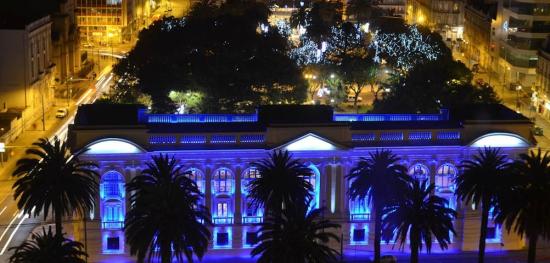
(58, 217)
(483, 230)
(414, 246)
(165, 253)
(532, 252)
(377, 234)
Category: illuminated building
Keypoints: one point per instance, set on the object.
(26, 79)
(479, 49)
(111, 21)
(520, 30)
(219, 148)
(444, 16)
(542, 94)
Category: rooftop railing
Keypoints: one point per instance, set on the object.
(337, 117)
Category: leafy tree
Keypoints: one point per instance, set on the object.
(296, 236)
(418, 217)
(432, 86)
(282, 183)
(166, 218)
(349, 54)
(362, 11)
(299, 18)
(380, 180)
(50, 178)
(481, 183)
(525, 208)
(219, 51)
(321, 18)
(46, 248)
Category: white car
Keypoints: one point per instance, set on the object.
(88, 45)
(61, 113)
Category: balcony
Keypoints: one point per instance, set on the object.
(222, 220)
(359, 217)
(252, 219)
(112, 225)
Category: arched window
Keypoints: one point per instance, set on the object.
(112, 195)
(419, 172)
(222, 181)
(313, 179)
(250, 213)
(359, 210)
(248, 175)
(197, 176)
(444, 178)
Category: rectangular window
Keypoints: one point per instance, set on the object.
(251, 238)
(222, 209)
(491, 232)
(222, 239)
(359, 235)
(113, 243)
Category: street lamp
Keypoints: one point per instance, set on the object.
(518, 104)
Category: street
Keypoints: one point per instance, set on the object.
(14, 226)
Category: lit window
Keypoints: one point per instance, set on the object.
(313, 180)
(359, 210)
(197, 176)
(249, 175)
(444, 179)
(223, 181)
(112, 200)
(221, 209)
(419, 172)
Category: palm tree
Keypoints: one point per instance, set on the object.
(282, 183)
(166, 218)
(480, 183)
(53, 178)
(378, 179)
(296, 236)
(46, 248)
(525, 208)
(422, 216)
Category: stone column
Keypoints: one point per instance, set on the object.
(208, 187)
(238, 196)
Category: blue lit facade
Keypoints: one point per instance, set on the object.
(219, 151)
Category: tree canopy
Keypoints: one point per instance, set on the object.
(230, 53)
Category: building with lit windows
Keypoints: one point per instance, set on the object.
(219, 151)
(111, 21)
(26, 71)
(444, 16)
(520, 30)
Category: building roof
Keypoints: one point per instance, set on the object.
(108, 114)
(486, 112)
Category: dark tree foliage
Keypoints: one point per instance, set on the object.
(48, 247)
(51, 179)
(221, 52)
(524, 207)
(431, 86)
(380, 181)
(419, 218)
(362, 11)
(297, 236)
(166, 220)
(321, 18)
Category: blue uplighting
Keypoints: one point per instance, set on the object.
(218, 233)
(337, 117)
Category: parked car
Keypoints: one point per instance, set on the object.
(61, 113)
(88, 45)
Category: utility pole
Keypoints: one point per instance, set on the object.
(42, 102)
